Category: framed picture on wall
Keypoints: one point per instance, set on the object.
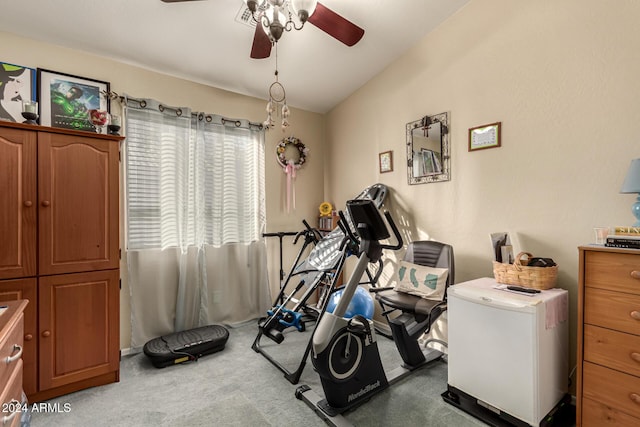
(386, 161)
(65, 100)
(485, 136)
(17, 84)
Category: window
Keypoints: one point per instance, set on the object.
(192, 180)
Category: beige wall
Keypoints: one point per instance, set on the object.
(309, 127)
(561, 76)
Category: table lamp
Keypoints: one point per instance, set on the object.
(632, 185)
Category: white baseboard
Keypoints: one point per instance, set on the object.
(129, 351)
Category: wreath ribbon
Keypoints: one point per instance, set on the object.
(290, 171)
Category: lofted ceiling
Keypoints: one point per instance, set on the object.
(204, 41)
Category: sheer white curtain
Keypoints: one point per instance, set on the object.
(195, 213)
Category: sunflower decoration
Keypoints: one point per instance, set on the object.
(325, 209)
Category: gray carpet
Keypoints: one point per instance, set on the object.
(238, 387)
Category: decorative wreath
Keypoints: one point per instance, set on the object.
(281, 149)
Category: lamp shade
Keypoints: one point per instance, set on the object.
(632, 181)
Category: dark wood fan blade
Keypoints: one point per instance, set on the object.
(336, 26)
(177, 1)
(261, 47)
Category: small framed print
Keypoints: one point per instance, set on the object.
(485, 136)
(65, 100)
(386, 161)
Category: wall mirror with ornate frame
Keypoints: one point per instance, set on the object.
(428, 158)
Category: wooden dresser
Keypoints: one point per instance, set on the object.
(59, 249)
(608, 356)
(11, 347)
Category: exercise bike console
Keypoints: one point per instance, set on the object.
(368, 220)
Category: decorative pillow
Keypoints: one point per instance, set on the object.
(421, 281)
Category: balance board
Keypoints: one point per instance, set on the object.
(186, 346)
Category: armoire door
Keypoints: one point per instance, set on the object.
(25, 289)
(79, 320)
(78, 197)
(18, 203)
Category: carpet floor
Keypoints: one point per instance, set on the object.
(239, 387)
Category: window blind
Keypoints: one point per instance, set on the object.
(192, 182)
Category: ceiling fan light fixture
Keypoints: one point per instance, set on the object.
(276, 16)
(273, 22)
(304, 8)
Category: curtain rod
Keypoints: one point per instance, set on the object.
(200, 116)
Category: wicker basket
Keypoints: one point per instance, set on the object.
(520, 274)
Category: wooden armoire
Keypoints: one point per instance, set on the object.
(59, 249)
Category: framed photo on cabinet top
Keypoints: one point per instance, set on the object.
(17, 84)
(485, 136)
(65, 100)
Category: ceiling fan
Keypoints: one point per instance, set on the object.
(273, 17)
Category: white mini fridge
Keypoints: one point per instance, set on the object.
(507, 352)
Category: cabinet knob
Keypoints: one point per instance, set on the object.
(635, 314)
(635, 398)
(28, 203)
(635, 274)
(28, 337)
(46, 334)
(46, 203)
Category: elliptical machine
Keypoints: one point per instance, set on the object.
(344, 351)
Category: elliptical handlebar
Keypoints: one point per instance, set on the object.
(396, 233)
(349, 239)
(344, 226)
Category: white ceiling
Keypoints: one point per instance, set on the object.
(202, 41)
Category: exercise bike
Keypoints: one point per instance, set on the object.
(344, 351)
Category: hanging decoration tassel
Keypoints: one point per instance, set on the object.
(268, 123)
(285, 116)
(277, 95)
